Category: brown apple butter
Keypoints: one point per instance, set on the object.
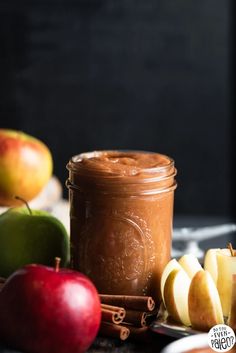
(121, 210)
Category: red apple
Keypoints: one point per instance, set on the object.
(46, 310)
(25, 166)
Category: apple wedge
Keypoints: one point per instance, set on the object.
(190, 264)
(226, 265)
(172, 264)
(210, 263)
(176, 290)
(204, 304)
(232, 315)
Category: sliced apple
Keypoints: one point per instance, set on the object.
(176, 290)
(226, 265)
(204, 304)
(172, 264)
(210, 263)
(232, 315)
(190, 264)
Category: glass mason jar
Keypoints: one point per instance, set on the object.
(121, 211)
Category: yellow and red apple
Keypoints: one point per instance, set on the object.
(25, 166)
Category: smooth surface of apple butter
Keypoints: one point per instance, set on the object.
(121, 210)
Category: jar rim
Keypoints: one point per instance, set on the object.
(102, 178)
(146, 174)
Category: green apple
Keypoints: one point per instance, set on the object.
(30, 236)
(25, 166)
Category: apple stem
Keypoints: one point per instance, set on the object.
(57, 263)
(231, 249)
(25, 202)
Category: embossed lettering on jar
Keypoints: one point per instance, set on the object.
(121, 210)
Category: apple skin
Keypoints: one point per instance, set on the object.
(205, 309)
(31, 238)
(25, 166)
(45, 311)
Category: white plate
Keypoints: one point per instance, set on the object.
(187, 343)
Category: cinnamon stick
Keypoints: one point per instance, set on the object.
(112, 330)
(136, 318)
(111, 316)
(132, 302)
(121, 311)
(137, 332)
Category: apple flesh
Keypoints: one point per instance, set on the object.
(232, 314)
(25, 166)
(46, 310)
(210, 263)
(222, 266)
(176, 296)
(26, 238)
(190, 264)
(190, 294)
(172, 265)
(226, 267)
(204, 304)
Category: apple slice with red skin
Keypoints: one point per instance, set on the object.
(47, 310)
(204, 304)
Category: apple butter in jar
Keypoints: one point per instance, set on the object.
(121, 210)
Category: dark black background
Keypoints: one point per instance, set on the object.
(130, 74)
